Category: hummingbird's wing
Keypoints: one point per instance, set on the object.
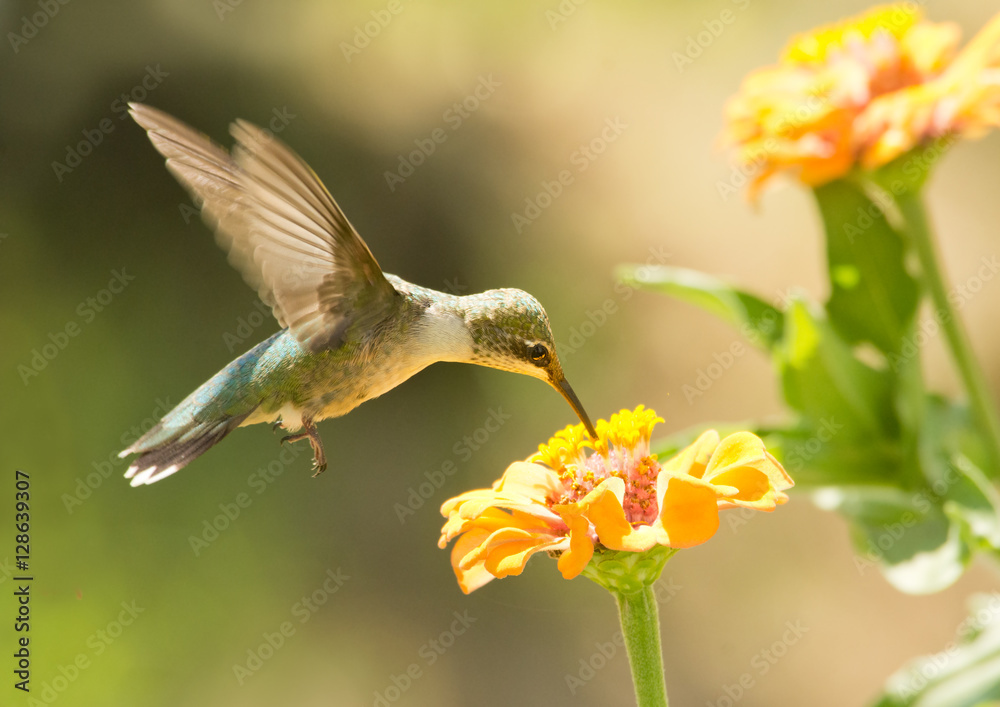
(282, 229)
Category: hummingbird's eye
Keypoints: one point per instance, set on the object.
(539, 354)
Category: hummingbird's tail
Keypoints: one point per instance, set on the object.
(184, 434)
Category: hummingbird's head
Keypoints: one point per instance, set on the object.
(510, 331)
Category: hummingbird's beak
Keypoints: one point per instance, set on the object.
(562, 385)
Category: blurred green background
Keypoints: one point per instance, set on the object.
(651, 193)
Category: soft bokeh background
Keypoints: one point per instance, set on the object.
(650, 195)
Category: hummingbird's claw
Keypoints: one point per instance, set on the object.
(275, 426)
(310, 433)
(319, 467)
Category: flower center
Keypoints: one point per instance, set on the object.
(639, 475)
(867, 52)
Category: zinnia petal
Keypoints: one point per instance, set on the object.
(507, 550)
(531, 480)
(581, 548)
(689, 514)
(694, 459)
(742, 462)
(472, 577)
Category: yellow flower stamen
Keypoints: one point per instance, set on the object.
(817, 46)
(564, 447)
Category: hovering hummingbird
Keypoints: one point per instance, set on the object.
(350, 332)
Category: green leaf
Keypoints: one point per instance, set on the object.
(873, 296)
(910, 397)
(869, 504)
(756, 319)
(976, 501)
(816, 458)
(915, 545)
(930, 557)
(963, 674)
(823, 380)
(922, 528)
(907, 174)
(953, 479)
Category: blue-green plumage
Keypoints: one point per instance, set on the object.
(351, 332)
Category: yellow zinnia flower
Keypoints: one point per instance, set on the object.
(863, 92)
(618, 498)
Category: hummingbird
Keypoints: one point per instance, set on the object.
(349, 332)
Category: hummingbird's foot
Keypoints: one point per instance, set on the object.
(310, 433)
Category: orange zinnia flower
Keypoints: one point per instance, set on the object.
(863, 91)
(564, 502)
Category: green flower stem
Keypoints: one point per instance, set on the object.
(912, 210)
(641, 628)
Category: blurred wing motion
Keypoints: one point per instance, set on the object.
(291, 242)
(282, 229)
